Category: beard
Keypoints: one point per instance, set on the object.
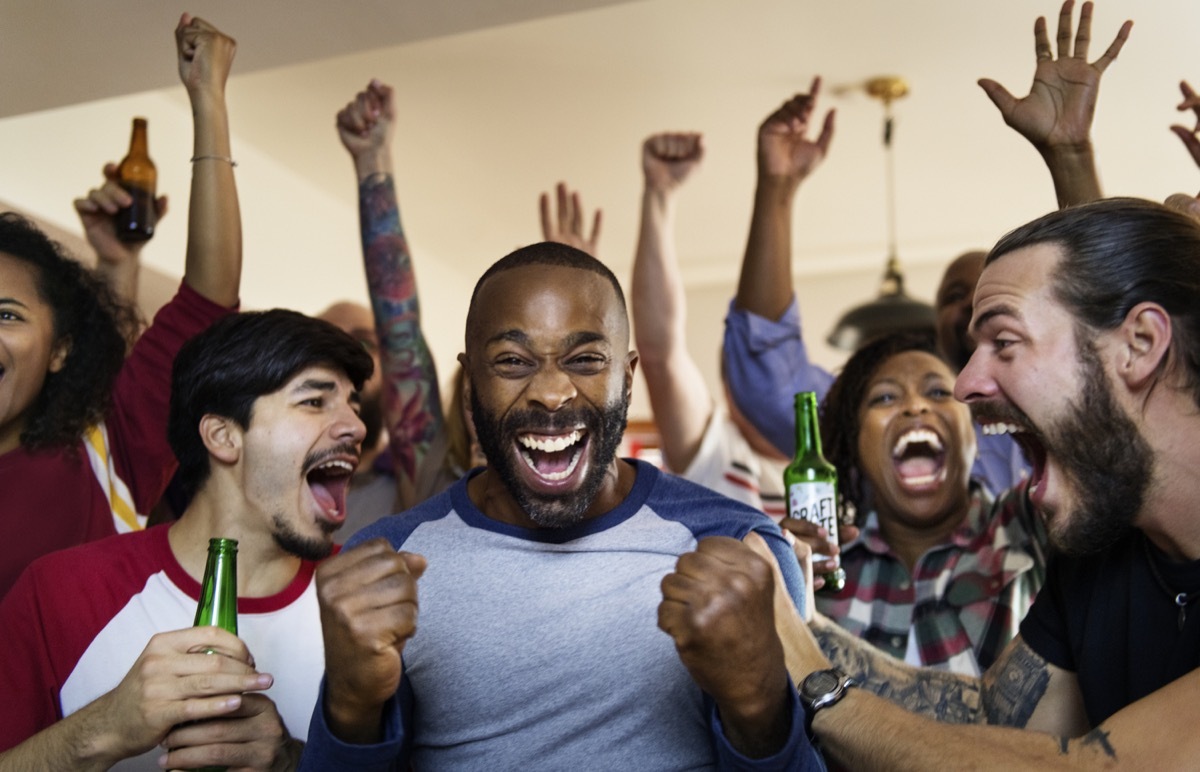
(498, 439)
(303, 547)
(1103, 458)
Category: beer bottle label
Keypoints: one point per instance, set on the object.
(814, 502)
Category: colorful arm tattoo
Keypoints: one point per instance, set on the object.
(412, 406)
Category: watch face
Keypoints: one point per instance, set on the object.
(820, 682)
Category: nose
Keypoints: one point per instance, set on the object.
(551, 388)
(973, 383)
(349, 427)
(915, 403)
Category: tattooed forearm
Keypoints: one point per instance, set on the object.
(413, 410)
(1099, 738)
(1014, 685)
(933, 693)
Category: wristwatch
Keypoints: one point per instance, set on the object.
(821, 689)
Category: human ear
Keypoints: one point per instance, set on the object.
(222, 438)
(59, 354)
(1145, 342)
(631, 360)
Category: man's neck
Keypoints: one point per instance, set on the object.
(1170, 515)
(264, 568)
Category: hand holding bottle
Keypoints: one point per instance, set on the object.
(173, 681)
(116, 257)
(252, 736)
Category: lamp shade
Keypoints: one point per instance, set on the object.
(888, 313)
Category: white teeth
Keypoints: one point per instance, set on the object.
(337, 464)
(554, 476)
(916, 435)
(1001, 428)
(551, 445)
(926, 479)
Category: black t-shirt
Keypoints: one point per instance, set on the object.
(1106, 619)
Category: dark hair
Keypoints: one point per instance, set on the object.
(1120, 252)
(840, 411)
(223, 370)
(545, 253)
(88, 318)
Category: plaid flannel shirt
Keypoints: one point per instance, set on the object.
(964, 600)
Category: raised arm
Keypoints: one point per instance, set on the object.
(214, 242)
(1186, 202)
(786, 156)
(765, 360)
(117, 262)
(412, 407)
(1056, 116)
(679, 398)
(565, 225)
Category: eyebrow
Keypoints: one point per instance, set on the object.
(570, 341)
(12, 301)
(992, 313)
(314, 384)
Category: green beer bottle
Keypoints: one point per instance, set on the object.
(811, 482)
(218, 596)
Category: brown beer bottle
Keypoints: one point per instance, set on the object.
(139, 178)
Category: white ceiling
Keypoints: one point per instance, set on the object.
(499, 99)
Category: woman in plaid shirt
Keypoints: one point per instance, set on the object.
(940, 574)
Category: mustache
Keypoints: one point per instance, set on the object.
(316, 458)
(545, 422)
(1000, 412)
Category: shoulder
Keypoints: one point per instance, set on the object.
(398, 527)
(704, 511)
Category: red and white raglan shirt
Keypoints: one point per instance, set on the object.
(78, 619)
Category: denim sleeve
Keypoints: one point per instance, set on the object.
(766, 363)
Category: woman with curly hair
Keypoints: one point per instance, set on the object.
(940, 574)
(83, 440)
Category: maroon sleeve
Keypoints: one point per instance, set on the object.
(27, 678)
(137, 423)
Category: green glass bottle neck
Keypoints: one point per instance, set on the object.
(218, 591)
(808, 432)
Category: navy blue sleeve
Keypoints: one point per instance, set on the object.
(797, 755)
(323, 751)
(793, 575)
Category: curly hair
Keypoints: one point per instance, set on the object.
(840, 412)
(88, 317)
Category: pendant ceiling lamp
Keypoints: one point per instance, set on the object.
(893, 310)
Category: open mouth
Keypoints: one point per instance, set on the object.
(919, 456)
(1031, 446)
(554, 459)
(328, 482)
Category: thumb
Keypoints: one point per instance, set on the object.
(416, 563)
(999, 95)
